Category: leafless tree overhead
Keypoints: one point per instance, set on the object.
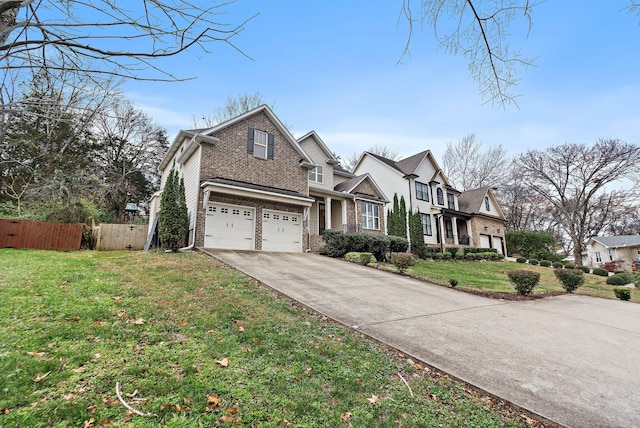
(578, 181)
(350, 162)
(235, 106)
(469, 166)
(481, 31)
(107, 37)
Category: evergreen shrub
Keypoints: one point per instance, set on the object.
(524, 280)
(570, 279)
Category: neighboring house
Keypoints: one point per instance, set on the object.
(449, 217)
(602, 249)
(249, 184)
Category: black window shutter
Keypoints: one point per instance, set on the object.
(270, 145)
(250, 141)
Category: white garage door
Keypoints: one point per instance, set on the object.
(281, 231)
(497, 243)
(485, 241)
(229, 226)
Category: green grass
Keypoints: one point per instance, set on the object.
(492, 276)
(74, 324)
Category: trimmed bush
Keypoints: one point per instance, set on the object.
(557, 265)
(622, 293)
(453, 251)
(570, 279)
(569, 266)
(470, 256)
(403, 261)
(438, 256)
(584, 269)
(521, 260)
(446, 255)
(338, 243)
(398, 244)
(545, 263)
(616, 280)
(524, 280)
(453, 283)
(362, 258)
(459, 255)
(600, 272)
(613, 266)
(533, 261)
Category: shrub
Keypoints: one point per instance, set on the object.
(570, 279)
(470, 256)
(557, 265)
(453, 251)
(600, 272)
(398, 244)
(446, 255)
(569, 266)
(338, 243)
(438, 256)
(613, 265)
(453, 283)
(533, 261)
(545, 263)
(363, 258)
(403, 261)
(459, 255)
(521, 260)
(622, 293)
(616, 280)
(524, 280)
(584, 269)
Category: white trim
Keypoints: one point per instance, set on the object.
(257, 194)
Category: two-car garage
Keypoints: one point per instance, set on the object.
(235, 227)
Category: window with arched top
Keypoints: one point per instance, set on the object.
(440, 196)
(486, 203)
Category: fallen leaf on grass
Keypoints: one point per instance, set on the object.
(213, 400)
(99, 323)
(183, 323)
(240, 329)
(231, 410)
(40, 356)
(138, 321)
(4, 411)
(68, 396)
(122, 314)
(374, 399)
(89, 423)
(116, 298)
(79, 370)
(39, 377)
(418, 366)
(74, 318)
(223, 362)
(133, 394)
(308, 371)
(345, 416)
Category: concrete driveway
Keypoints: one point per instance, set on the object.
(572, 359)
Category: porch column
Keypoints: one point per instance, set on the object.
(327, 212)
(345, 220)
(454, 229)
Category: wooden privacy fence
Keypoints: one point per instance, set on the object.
(111, 237)
(40, 235)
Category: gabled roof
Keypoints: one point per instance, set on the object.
(471, 201)
(618, 241)
(206, 133)
(331, 159)
(350, 185)
(409, 165)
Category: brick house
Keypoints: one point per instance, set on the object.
(249, 184)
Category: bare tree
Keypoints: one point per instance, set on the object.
(468, 166)
(235, 106)
(480, 30)
(350, 162)
(577, 181)
(119, 39)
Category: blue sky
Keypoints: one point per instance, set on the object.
(332, 66)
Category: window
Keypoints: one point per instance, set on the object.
(610, 256)
(370, 216)
(486, 203)
(422, 191)
(426, 224)
(451, 201)
(316, 174)
(449, 229)
(598, 258)
(235, 212)
(440, 196)
(260, 144)
(265, 215)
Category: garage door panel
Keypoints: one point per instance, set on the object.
(229, 226)
(281, 231)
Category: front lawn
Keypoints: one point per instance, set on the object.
(191, 343)
(492, 276)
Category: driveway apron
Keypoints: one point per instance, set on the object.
(571, 359)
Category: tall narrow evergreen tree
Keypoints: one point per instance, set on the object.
(173, 217)
(402, 218)
(397, 218)
(416, 237)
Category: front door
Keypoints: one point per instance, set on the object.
(321, 218)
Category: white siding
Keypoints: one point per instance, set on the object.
(191, 176)
(492, 207)
(319, 157)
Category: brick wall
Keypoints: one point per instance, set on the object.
(494, 228)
